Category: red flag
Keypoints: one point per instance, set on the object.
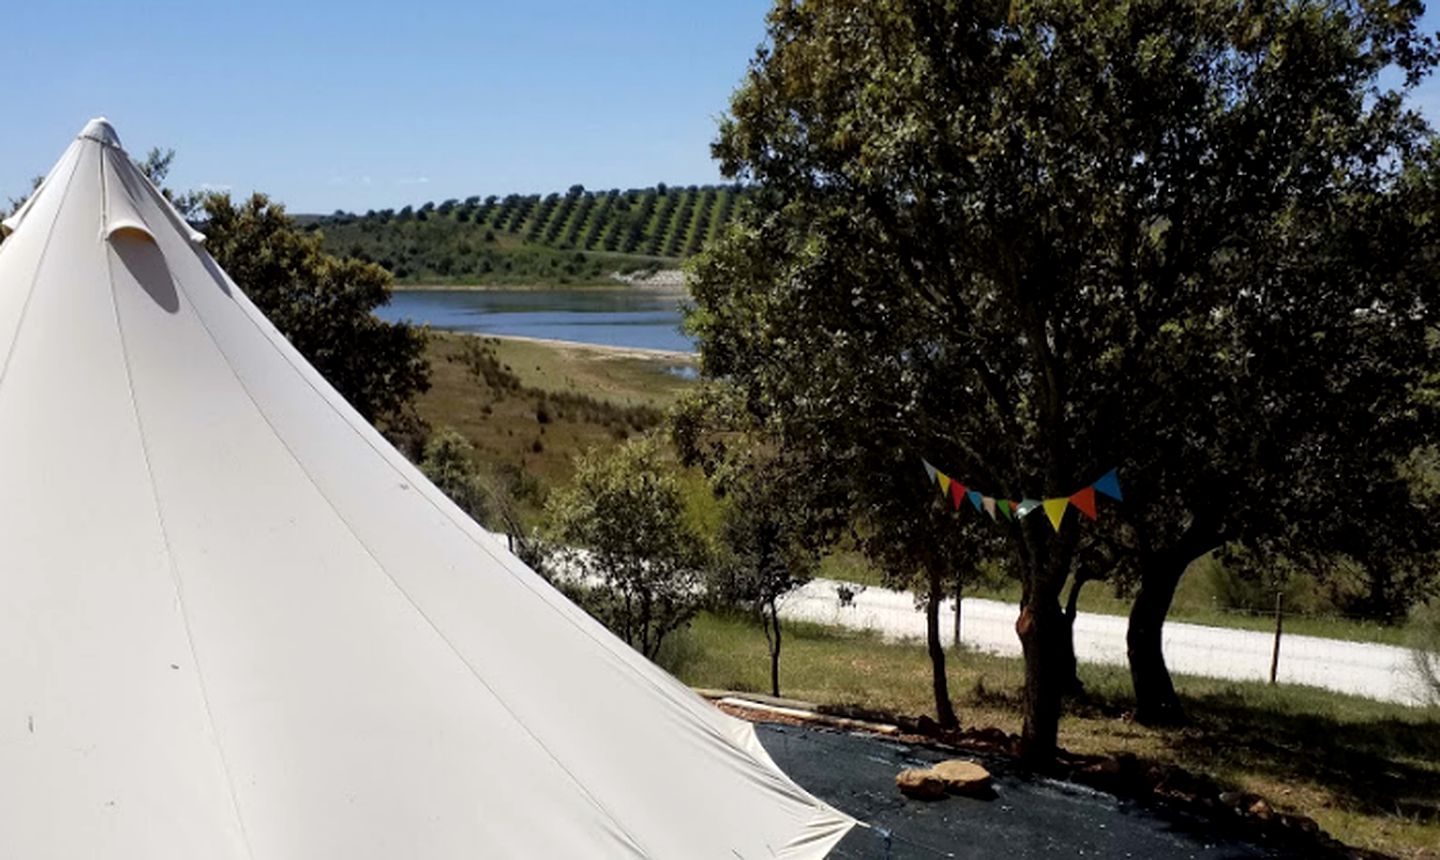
(957, 493)
(1085, 501)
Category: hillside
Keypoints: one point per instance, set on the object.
(577, 237)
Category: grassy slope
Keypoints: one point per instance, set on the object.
(1368, 772)
(509, 433)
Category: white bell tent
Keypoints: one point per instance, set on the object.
(236, 623)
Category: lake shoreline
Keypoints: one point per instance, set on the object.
(602, 350)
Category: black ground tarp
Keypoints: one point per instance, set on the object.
(1029, 817)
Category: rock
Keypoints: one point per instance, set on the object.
(920, 784)
(964, 777)
(1261, 809)
(1301, 823)
(1240, 801)
(1107, 768)
(927, 726)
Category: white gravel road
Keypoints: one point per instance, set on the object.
(1376, 671)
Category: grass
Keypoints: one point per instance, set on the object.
(1368, 772)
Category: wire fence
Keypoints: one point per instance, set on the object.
(1376, 671)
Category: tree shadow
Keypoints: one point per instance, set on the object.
(1385, 765)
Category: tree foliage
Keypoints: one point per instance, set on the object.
(632, 558)
(447, 462)
(324, 304)
(1035, 240)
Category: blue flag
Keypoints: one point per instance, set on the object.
(1109, 485)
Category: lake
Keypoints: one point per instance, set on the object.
(625, 316)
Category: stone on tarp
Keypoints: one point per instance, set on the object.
(962, 776)
(920, 784)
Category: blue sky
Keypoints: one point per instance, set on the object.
(357, 105)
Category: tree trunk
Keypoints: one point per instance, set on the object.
(1043, 637)
(1155, 700)
(774, 651)
(1073, 684)
(944, 711)
(955, 640)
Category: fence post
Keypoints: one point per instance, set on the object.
(1279, 622)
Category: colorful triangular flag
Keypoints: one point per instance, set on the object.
(989, 505)
(1027, 507)
(930, 470)
(957, 493)
(974, 498)
(1055, 510)
(1085, 501)
(1108, 485)
(1007, 508)
(944, 483)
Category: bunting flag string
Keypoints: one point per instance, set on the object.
(1083, 500)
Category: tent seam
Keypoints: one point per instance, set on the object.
(173, 564)
(435, 628)
(35, 278)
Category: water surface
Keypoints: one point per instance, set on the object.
(624, 317)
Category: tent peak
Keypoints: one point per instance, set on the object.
(101, 131)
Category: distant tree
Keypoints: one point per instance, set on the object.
(766, 548)
(776, 518)
(630, 556)
(1034, 241)
(447, 463)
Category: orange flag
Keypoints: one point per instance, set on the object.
(1085, 501)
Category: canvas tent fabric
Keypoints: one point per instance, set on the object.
(236, 623)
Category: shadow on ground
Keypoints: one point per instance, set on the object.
(1375, 766)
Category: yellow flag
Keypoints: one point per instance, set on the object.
(1055, 510)
(944, 483)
